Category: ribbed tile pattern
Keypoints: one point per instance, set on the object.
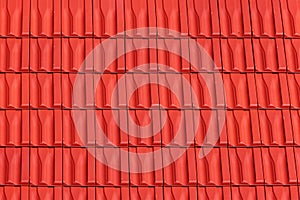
(255, 46)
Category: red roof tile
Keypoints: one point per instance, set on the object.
(46, 154)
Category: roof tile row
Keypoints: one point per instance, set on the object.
(235, 55)
(55, 127)
(221, 167)
(81, 193)
(196, 18)
(243, 91)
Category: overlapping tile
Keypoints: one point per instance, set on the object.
(291, 54)
(290, 9)
(16, 192)
(15, 18)
(214, 192)
(203, 18)
(242, 128)
(269, 55)
(15, 90)
(14, 127)
(236, 56)
(45, 54)
(276, 127)
(253, 43)
(45, 18)
(14, 54)
(272, 90)
(45, 192)
(246, 166)
(77, 18)
(235, 18)
(214, 168)
(275, 166)
(45, 166)
(266, 18)
(15, 166)
(108, 18)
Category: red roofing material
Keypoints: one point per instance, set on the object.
(255, 48)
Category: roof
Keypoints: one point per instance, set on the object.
(254, 46)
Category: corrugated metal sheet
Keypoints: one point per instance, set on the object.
(255, 46)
